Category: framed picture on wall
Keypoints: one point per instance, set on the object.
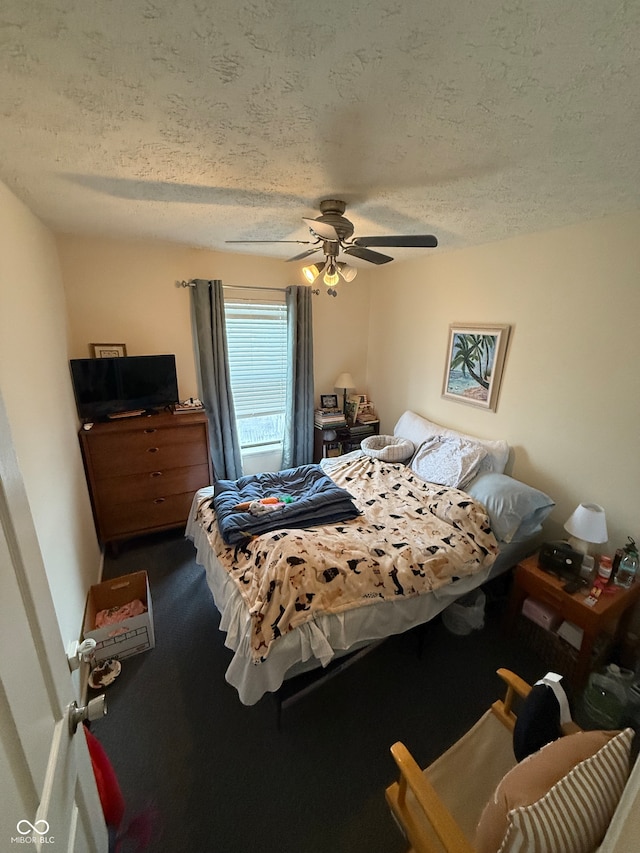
(475, 361)
(108, 350)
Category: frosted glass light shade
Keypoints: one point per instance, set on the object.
(348, 273)
(312, 272)
(344, 381)
(587, 525)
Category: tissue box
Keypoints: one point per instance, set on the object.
(540, 614)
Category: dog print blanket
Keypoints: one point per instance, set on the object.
(411, 538)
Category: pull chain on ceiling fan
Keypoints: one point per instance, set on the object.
(333, 233)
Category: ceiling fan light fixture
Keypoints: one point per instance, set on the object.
(331, 276)
(348, 273)
(312, 272)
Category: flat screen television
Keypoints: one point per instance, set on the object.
(104, 387)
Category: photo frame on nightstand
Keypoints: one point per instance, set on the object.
(328, 401)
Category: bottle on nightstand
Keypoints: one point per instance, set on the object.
(605, 567)
(628, 567)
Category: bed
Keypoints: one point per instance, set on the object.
(293, 599)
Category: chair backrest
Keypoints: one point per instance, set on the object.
(424, 802)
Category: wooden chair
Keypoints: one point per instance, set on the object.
(436, 809)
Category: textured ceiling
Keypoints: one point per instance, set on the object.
(201, 121)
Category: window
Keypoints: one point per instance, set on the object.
(257, 344)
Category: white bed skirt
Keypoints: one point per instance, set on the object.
(326, 636)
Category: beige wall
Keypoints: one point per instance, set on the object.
(35, 387)
(569, 403)
(570, 398)
(125, 293)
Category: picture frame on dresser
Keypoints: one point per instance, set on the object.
(108, 350)
(475, 362)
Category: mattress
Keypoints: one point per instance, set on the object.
(328, 635)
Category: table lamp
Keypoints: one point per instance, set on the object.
(344, 382)
(586, 526)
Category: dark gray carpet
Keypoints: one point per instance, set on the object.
(214, 776)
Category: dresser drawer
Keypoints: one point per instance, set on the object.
(150, 514)
(151, 485)
(146, 451)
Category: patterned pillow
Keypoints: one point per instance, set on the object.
(448, 461)
(419, 429)
(388, 448)
(560, 799)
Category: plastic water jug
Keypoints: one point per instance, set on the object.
(628, 566)
(632, 712)
(605, 696)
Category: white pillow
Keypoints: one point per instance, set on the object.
(418, 429)
(448, 461)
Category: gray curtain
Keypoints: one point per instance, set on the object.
(298, 433)
(207, 302)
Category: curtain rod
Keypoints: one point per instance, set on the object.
(191, 283)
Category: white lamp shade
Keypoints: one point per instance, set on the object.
(588, 524)
(345, 380)
(348, 273)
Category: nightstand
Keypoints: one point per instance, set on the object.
(346, 439)
(608, 616)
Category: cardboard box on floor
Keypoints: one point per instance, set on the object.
(129, 637)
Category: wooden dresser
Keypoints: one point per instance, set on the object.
(143, 472)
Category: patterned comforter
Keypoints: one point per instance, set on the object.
(411, 538)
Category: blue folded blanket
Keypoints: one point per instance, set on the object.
(315, 497)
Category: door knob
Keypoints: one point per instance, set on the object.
(93, 710)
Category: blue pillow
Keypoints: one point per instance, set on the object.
(516, 511)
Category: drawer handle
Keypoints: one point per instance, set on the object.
(156, 474)
(150, 430)
(159, 500)
(152, 449)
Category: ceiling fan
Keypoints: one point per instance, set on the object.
(332, 233)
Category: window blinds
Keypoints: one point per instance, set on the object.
(257, 345)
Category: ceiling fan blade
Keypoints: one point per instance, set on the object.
(367, 255)
(304, 254)
(417, 241)
(269, 241)
(322, 229)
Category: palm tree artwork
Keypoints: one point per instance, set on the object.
(471, 365)
(474, 364)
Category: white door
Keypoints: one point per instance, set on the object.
(48, 796)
